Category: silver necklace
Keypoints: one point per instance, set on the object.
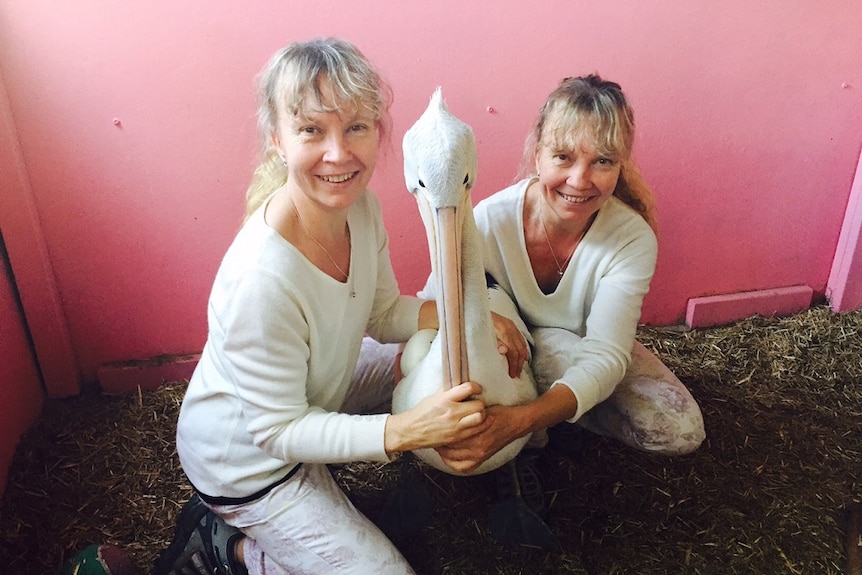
(560, 268)
(320, 245)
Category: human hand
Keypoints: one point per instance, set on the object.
(444, 417)
(497, 431)
(511, 343)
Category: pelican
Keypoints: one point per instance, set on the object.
(440, 164)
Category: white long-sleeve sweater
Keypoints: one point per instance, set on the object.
(282, 346)
(599, 296)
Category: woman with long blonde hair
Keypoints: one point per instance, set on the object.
(573, 244)
(287, 383)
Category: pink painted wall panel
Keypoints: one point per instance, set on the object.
(724, 309)
(844, 289)
(34, 273)
(745, 131)
(21, 394)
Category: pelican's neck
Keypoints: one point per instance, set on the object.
(479, 329)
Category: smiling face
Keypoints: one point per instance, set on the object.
(329, 155)
(580, 145)
(577, 180)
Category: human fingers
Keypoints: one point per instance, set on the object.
(472, 419)
(515, 357)
(511, 343)
(514, 360)
(463, 391)
(459, 460)
(469, 417)
(515, 363)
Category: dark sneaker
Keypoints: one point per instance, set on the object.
(203, 544)
(520, 478)
(516, 517)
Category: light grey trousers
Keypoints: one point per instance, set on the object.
(307, 525)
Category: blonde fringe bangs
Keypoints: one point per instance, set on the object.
(290, 83)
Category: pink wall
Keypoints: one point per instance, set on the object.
(21, 394)
(35, 279)
(745, 131)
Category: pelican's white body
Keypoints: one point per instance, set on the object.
(440, 168)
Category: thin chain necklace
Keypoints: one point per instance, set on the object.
(308, 233)
(560, 268)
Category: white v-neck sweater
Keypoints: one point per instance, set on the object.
(599, 296)
(282, 346)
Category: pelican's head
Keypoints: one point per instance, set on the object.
(440, 164)
(440, 159)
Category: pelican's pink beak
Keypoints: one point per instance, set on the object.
(450, 296)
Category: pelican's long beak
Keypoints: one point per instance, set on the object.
(450, 299)
(443, 226)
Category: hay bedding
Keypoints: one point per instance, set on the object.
(766, 493)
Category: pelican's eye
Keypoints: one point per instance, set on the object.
(467, 182)
(421, 183)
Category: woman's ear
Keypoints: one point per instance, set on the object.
(276, 145)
